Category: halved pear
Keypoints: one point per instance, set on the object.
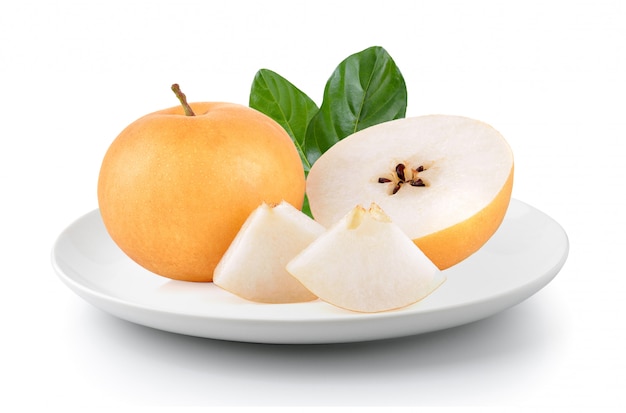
(365, 263)
(445, 180)
(253, 266)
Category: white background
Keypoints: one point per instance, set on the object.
(549, 75)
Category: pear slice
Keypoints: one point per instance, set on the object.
(253, 266)
(445, 180)
(366, 263)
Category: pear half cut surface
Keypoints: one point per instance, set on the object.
(365, 263)
(445, 180)
(253, 266)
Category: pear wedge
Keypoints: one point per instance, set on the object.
(366, 263)
(253, 266)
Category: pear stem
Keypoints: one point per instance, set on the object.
(183, 100)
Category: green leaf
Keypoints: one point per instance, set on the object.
(279, 99)
(367, 88)
(306, 208)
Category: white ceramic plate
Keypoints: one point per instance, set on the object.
(522, 257)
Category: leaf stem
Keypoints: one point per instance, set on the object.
(183, 100)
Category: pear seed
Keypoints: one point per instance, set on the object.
(397, 187)
(400, 171)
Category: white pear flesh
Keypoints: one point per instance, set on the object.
(253, 266)
(365, 263)
(467, 176)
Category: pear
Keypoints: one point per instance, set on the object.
(366, 263)
(446, 181)
(253, 266)
(176, 185)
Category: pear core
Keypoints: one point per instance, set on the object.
(446, 181)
